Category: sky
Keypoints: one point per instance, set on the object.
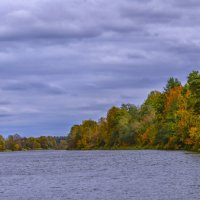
(62, 62)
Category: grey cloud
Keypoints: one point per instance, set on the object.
(188, 4)
(81, 21)
(186, 49)
(5, 115)
(94, 107)
(123, 83)
(46, 32)
(36, 87)
(26, 23)
(149, 14)
(65, 61)
(4, 102)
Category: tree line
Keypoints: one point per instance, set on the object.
(166, 120)
(18, 143)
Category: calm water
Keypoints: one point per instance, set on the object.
(93, 175)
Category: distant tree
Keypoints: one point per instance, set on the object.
(88, 129)
(33, 143)
(43, 142)
(120, 129)
(62, 144)
(51, 142)
(2, 143)
(74, 137)
(13, 143)
(16, 137)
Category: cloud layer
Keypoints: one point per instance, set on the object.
(65, 61)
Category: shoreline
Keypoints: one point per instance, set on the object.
(133, 148)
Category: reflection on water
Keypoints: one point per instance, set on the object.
(106, 175)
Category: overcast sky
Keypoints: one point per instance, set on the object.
(63, 61)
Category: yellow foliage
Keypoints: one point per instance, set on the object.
(195, 135)
(16, 147)
(172, 97)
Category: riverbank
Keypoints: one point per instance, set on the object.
(137, 147)
(134, 148)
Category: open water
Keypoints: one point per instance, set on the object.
(104, 175)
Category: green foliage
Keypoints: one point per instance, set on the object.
(172, 83)
(17, 143)
(194, 86)
(2, 143)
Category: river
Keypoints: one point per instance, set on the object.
(103, 175)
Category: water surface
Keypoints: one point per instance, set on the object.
(93, 175)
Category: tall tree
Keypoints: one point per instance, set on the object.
(194, 86)
(172, 83)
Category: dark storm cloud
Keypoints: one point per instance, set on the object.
(65, 61)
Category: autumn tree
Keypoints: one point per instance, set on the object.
(43, 142)
(32, 143)
(13, 143)
(168, 119)
(73, 137)
(194, 86)
(172, 83)
(151, 114)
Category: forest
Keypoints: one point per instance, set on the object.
(166, 120)
(17, 143)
